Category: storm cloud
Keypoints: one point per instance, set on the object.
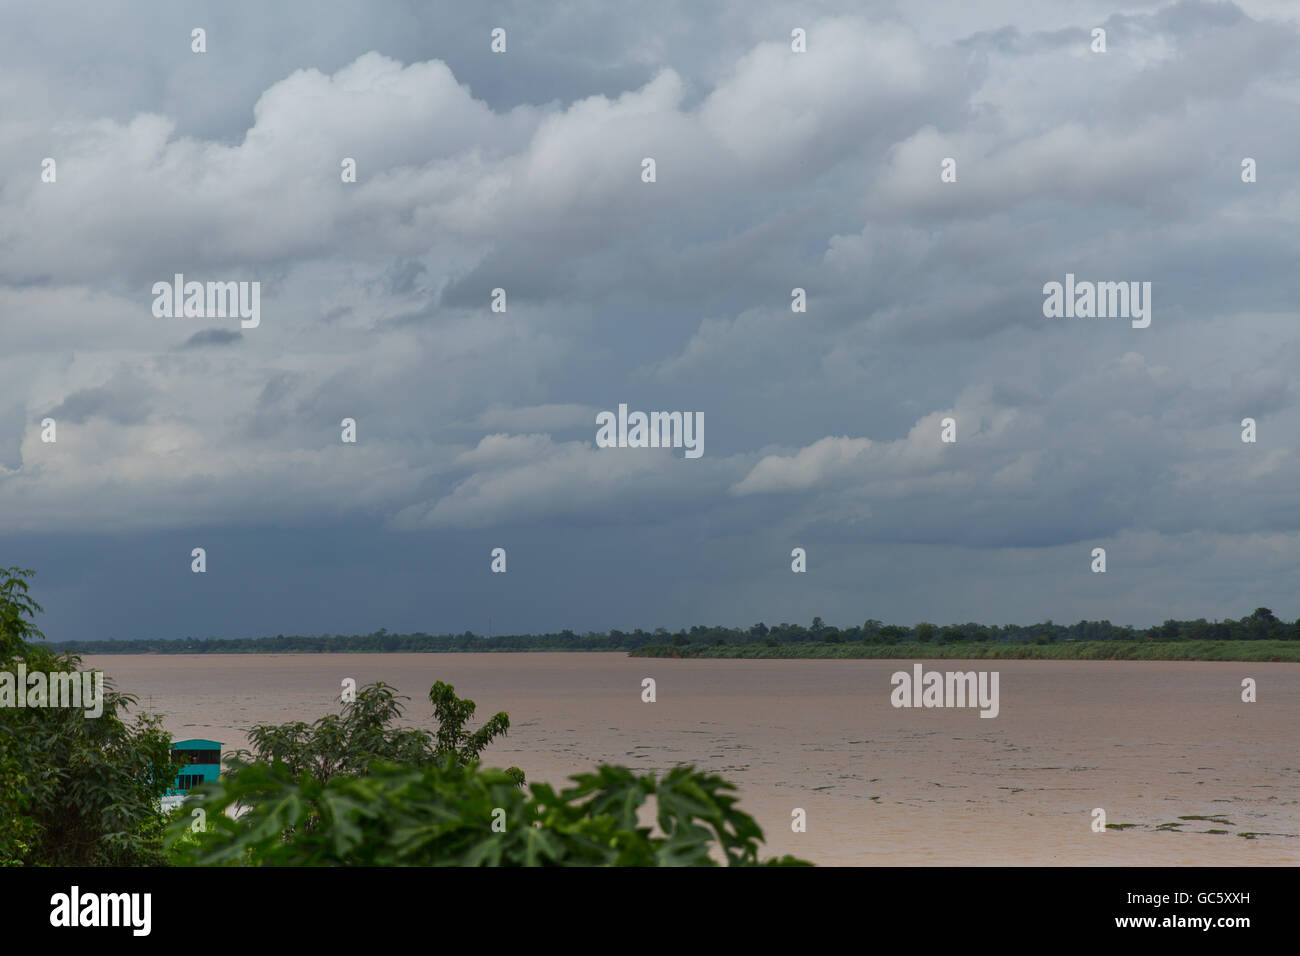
(522, 171)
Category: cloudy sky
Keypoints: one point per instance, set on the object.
(523, 171)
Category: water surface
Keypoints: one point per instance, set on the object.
(1147, 741)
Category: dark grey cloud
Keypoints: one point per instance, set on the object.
(213, 337)
(124, 400)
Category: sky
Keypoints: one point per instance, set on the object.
(523, 170)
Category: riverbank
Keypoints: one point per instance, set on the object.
(1273, 651)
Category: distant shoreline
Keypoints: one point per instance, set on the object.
(1259, 636)
(1247, 651)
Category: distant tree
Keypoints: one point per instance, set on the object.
(893, 634)
(817, 626)
(1169, 631)
(1262, 624)
(924, 632)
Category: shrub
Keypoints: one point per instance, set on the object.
(455, 814)
(74, 790)
(348, 742)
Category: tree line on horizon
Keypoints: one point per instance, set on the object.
(1260, 625)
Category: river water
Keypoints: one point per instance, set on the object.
(1147, 742)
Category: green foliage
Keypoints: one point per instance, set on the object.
(452, 714)
(893, 634)
(443, 815)
(352, 790)
(17, 614)
(349, 742)
(74, 790)
(17, 830)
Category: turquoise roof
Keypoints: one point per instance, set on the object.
(197, 744)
